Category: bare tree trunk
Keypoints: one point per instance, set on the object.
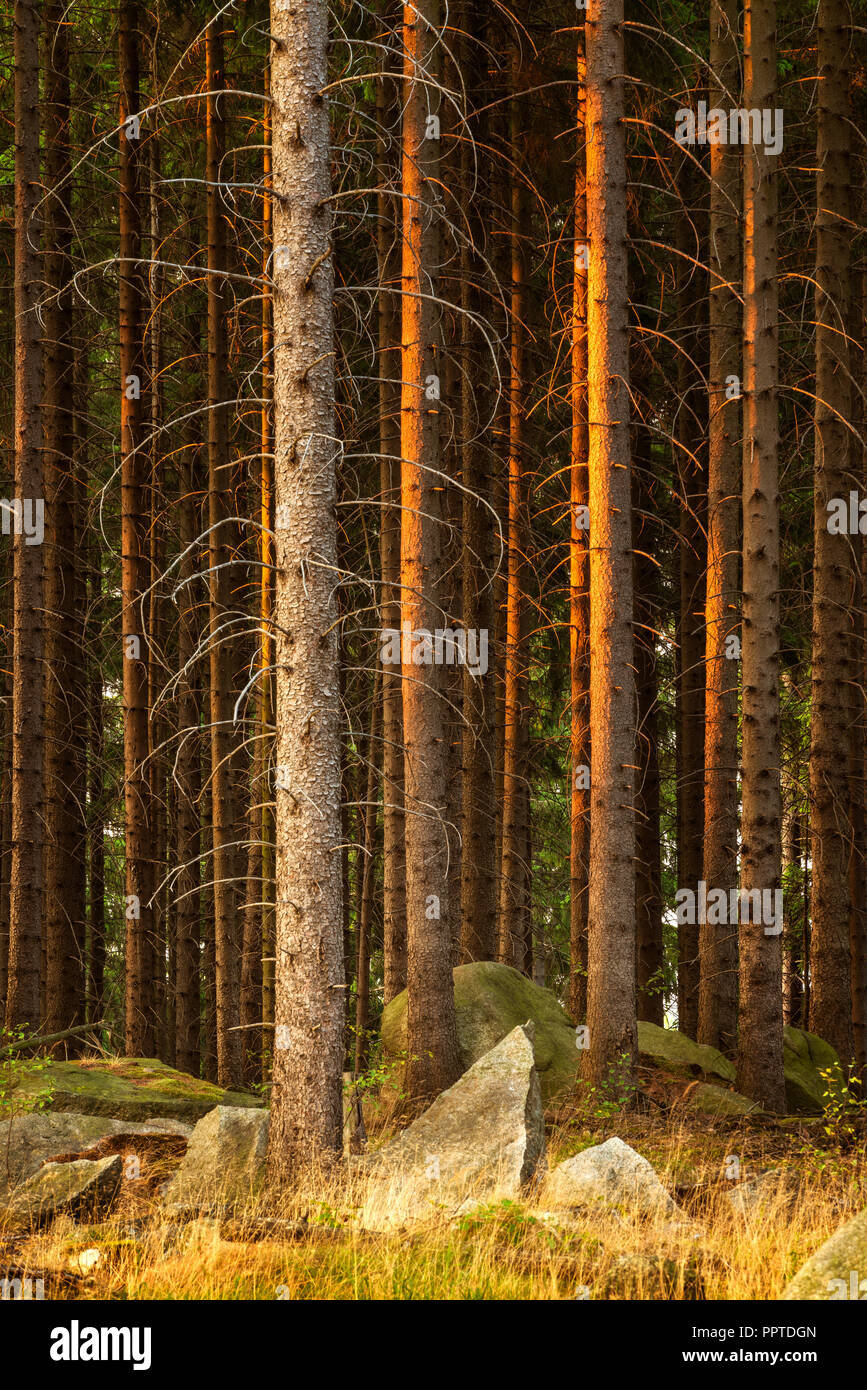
(28, 737)
(760, 1018)
(579, 582)
(718, 949)
(393, 824)
(306, 1108)
(515, 866)
(478, 879)
(690, 431)
(831, 1002)
(65, 778)
(365, 908)
(219, 510)
(434, 1061)
(611, 907)
(135, 561)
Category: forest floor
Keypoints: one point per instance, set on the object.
(505, 1250)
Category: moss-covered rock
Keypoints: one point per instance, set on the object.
(675, 1052)
(127, 1088)
(490, 1001)
(717, 1100)
(838, 1270)
(804, 1056)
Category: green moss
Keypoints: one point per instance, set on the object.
(131, 1088)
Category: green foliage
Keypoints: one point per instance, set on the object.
(842, 1105)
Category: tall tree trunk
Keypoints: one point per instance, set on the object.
(65, 856)
(26, 887)
(611, 907)
(219, 510)
(514, 876)
(306, 1104)
(648, 866)
(393, 824)
(135, 562)
(718, 951)
(266, 592)
(831, 1001)
(434, 1061)
(579, 579)
(760, 1016)
(690, 431)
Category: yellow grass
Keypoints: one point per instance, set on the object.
(505, 1250)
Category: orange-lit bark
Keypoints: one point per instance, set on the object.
(432, 1038)
(579, 580)
(611, 906)
(760, 1016)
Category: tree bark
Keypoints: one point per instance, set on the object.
(306, 1106)
(718, 952)
(760, 1016)
(135, 562)
(28, 737)
(831, 714)
(611, 906)
(433, 1062)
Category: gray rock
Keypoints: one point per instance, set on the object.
(838, 1270)
(490, 1001)
(483, 1138)
(612, 1174)
(83, 1188)
(805, 1055)
(224, 1163)
(29, 1140)
(749, 1197)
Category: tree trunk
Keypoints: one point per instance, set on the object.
(690, 433)
(393, 825)
(434, 1061)
(718, 951)
(831, 714)
(65, 777)
(611, 905)
(306, 1102)
(579, 579)
(135, 563)
(760, 1017)
(514, 876)
(219, 511)
(25, 890)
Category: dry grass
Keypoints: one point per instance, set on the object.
(504, 1250)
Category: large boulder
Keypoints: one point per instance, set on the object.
(83, 1188)
(30, 1139)
(673, 1051)
(225, 1160)
(838, 1270)
(611, 1175)
(491, 1000)
(126, 1088)
(481, 1140)
(804, 1056)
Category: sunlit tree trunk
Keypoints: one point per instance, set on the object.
(611, 905)
(306, 1105)
(718, 987)
(579, 579)
(760, 1017)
